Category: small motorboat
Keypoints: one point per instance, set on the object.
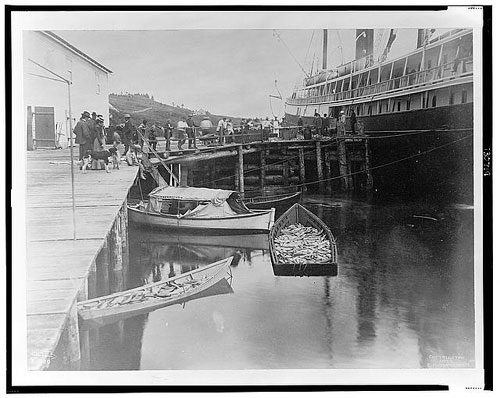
(200, 209)
(301, 244)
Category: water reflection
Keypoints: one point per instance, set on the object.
(403, 297)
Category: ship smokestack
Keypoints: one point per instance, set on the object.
(364, 42)
(325, 48)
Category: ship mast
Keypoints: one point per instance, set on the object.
(325, 48)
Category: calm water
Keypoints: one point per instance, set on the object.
(402, 298)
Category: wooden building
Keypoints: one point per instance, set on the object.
(49, 62)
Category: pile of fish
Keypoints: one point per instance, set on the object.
(298, 244)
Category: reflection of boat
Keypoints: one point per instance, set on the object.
(175, 290)
(298, 214)
(238, 241)
(276, 201)
(200, 208)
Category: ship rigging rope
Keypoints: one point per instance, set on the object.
(347, 175)
(277, 35)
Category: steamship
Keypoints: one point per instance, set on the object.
(418, 103)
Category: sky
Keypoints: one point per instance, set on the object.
(224, 71)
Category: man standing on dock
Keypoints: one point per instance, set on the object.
(191, 132)
(318, 123)
(221, 129)
(128, 133)
(353, 122)
(266, 129)
(168, 134)
(325, 125)
(342, 122)
(82, 132)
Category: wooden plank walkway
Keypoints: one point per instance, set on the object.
(58, 266)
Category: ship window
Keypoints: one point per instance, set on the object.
(408, 104)
(434, 101)
(380, 107)
(369, 110)
(399, 106)
(357, 110)
(464, 96)
(394, 106)
(452, 98)
(387, 106)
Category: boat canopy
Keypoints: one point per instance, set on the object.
(216, 196)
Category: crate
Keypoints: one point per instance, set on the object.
(288, 134)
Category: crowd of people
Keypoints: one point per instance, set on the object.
(328, 126)
(129, 140)
(89, 133)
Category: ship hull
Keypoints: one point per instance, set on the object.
(420, 152)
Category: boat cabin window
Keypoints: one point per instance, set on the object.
(166, 207)
(452, 98)
(369, 110)
(464, 96)
(434, 100)
(408, 104)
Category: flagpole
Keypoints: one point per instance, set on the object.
(71, 162)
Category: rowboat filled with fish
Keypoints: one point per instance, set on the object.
(302, 245)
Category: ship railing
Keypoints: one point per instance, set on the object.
(457, 68)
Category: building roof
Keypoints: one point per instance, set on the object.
(75, 50)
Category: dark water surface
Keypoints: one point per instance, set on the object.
(403, 298)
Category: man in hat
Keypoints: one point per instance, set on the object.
(99, 134)
(342, 122)
(221, 129)
(266, 129)
(82, 133)
(127, 132)
(92, 122)
(168, 134)
(140, 137)
(191, 132)
(353, 120)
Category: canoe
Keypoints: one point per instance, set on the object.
(175, 290)
(192, 208)
(276, 201)
(296, 255)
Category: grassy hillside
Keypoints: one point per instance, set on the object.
(141, 107)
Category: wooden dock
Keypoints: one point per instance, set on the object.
(58, 267)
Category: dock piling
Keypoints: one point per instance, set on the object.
(241, 184)
(302, 169)
(319, 165)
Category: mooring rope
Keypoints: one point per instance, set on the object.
(339, 177)
(333, 141)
